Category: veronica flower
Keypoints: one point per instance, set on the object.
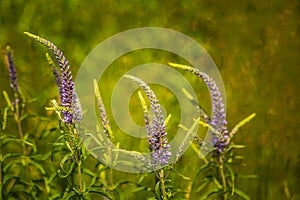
(12, 70)
(103, 115)
(68, 96)
(155, 126)
(218, 122)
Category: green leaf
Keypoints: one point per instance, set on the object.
(11, 164)
(141, 177)
(4, 123)
(119, 183)
(240, 124)
(69, 195)
(8, 177)
(232, 176)
(41, 157)
(7, 99)
(120, 194)
(202, 168)
(65, 167)
(157, 191)
(138, 188)
(38, 166)
(28, 116)
(167, 120)
(236, 146)
(203, 185)
(208, 193)
(242, 194)
(10, 139)
(10, 155)
(88, 172)
(247, 176)
(100, 191)
(183, 176)
(34, 148)
(218, 184)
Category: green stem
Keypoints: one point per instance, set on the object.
(74, 139)
(111, 174)
(19, 124)
(79, 175)
(18, 115)
(1, 168)
(223, 178)
(111, 177)
(162, 185)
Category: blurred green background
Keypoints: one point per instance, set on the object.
(255, 44)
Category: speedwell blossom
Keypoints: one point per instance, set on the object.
(155, 126)
(218, 122)
(103, 115)
(68, 96)
(12, 70)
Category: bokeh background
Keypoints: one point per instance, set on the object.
(255, 45)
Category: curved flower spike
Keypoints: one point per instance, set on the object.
(103, 115)
(218, 122)
(68, 95)
(155, 126)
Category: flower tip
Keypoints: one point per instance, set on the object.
(128, 76)
(171, 64)
(95, 83)
(8, 48)
(180, 66)
(29, 34)
(167, 120)
(140, 95)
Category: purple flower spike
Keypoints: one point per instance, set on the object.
(12, 70)
(156, 129)
(218, 122)
(68, 96)
(103, 115)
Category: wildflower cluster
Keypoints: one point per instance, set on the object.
(24, 173)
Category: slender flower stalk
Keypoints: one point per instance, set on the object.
(103, 115)
(71, 112)
(12, 70)
(68, 96)
(156, 134)
(156, 129)
(218, 121)
(14, 85)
